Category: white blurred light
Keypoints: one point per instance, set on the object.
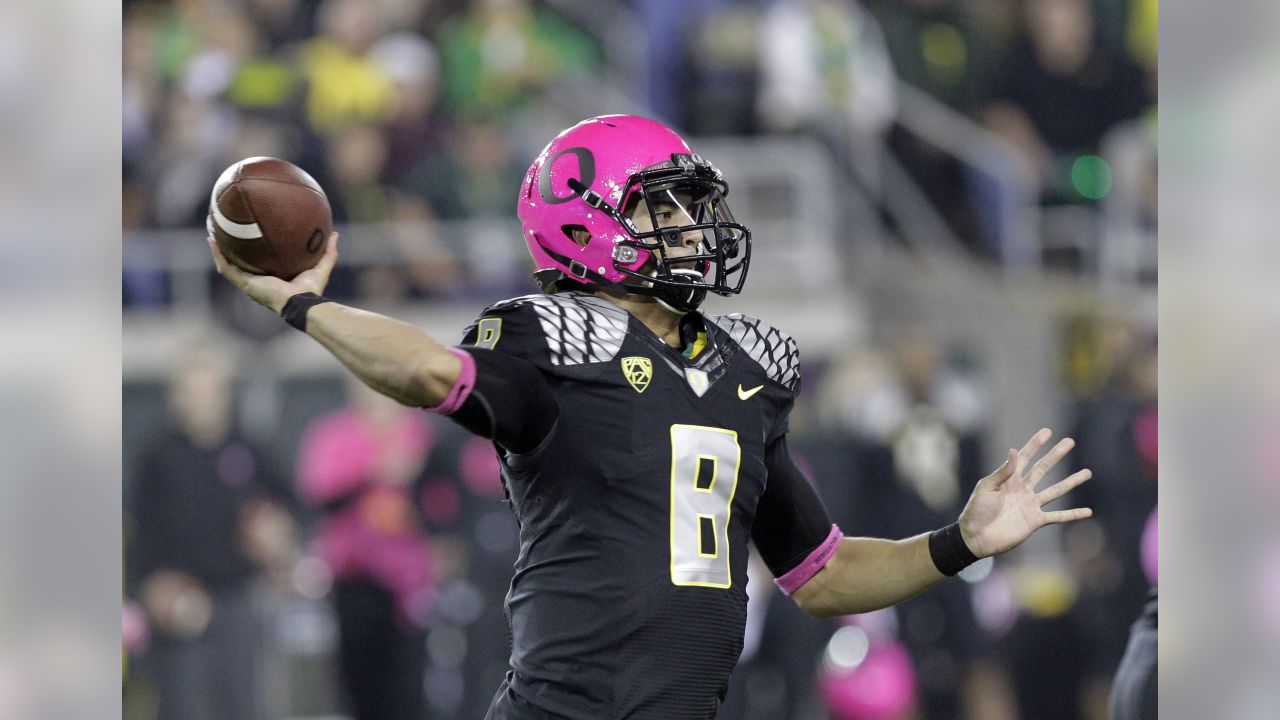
(446, 646)
(461, 603)
(311, 578)
(847, 649)
(444, 689)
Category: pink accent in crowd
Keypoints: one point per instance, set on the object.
(461, 387)
(480, 470)
(375, 534)
(135, 632)
(817, 560)
(1146, 437)
(1151, 547)
(881, 687)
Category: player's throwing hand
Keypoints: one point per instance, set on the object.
(1005, 508)
(272, 292)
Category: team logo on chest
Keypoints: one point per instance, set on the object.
(638, 371)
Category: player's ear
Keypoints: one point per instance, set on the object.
(577, 233)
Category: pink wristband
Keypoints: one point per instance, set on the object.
(818, 559)
(461, 387)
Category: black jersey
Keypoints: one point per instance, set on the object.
(629, 594)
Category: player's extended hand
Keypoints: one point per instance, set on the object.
(1005, 508)
(272, 292)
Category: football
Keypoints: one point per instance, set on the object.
(269, 217)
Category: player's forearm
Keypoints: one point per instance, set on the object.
(868, 574)
(390, 356)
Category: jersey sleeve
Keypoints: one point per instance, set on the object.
(511, 327)
(792, 529)
(503, 393)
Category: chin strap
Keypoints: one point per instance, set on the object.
(677, 299)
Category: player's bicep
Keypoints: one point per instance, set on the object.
(792, 529)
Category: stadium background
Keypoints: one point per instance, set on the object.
(953, 206)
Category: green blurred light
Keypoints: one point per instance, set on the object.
(1091, 176)
(944, 49)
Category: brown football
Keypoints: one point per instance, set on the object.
(269, 217)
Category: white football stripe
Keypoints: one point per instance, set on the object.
(240, 231)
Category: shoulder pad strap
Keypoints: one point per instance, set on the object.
(773, 349)
(579, 328)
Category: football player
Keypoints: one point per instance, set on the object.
(643, 442)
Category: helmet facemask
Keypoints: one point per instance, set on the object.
(677, 201)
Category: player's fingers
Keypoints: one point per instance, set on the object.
(1005, 471)
(1066, 516)
(224, 268)
(1057, 490)
(218, 260)
(1032, 448)
(1047, 462)
(330, 257)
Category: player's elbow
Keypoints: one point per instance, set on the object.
(427, 381)
(815, 601)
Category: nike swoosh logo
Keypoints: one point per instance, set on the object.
(746, 394)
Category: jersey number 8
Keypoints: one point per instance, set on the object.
(704, 477)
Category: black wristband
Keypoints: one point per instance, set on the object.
(949, 552)
(295, 308)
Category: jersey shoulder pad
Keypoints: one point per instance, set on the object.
(773, 349)
(575, 328)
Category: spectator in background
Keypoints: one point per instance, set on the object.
(667, 63)
(354, 160)
(499, 54)
(210, 520)
(282, 23)
(824, 69)
(346, 86)
(717, 69)
(947, 48)
(360, 467)
(1059, 92)
(417, 131)
(201, 48)
(473, 176)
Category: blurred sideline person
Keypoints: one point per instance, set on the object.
(210, 518)
(923, 429)
(642, 441)
(1135, 692)
(359, 466)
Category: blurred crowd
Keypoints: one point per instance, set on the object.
(406, 111)
(353, 562)
(413, 112)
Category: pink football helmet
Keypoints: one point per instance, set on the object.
(592, 177)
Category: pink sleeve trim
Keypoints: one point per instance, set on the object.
(818, 559)
(461, 387)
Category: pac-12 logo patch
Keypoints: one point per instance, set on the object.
(638, 371)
